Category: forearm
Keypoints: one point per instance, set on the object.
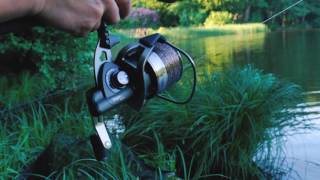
(11, 9)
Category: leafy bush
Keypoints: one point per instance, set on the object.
(189, 13)
(218, 18)
(61, 58)
(228, 128)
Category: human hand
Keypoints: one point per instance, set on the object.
(80, 17)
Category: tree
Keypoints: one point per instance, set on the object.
(189, 12)
(194, 12)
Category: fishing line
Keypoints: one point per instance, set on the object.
(281, 12)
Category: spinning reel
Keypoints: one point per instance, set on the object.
(141, 70)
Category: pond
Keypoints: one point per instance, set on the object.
(290, 55)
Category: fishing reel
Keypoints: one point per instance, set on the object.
(142, 70)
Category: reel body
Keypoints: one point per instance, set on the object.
(140, 71)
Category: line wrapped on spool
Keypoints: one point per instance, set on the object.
(172, 61)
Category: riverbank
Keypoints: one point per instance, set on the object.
(200, 31)
(25, 134)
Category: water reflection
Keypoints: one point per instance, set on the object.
(290, 55)
(214, 53)
(294, 56)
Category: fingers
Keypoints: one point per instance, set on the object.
(111, 13)
(124, 7)
(116, 9)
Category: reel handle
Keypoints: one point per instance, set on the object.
(98, 104)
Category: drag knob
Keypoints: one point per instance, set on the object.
(119, 79)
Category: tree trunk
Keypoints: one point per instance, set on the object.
(284, 20)
(247, 13)
(303, 19)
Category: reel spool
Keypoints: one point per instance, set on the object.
(141, 71)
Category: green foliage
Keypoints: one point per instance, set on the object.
(210, 129)
(21, 89)
(154, 4)
(218, 18)
(234, 118)
(23, 137)
(63, 129)
(229, 29)
(194, 12)
(57, 54)
(115, 167)
(189, 13)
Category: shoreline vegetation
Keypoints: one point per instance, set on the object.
(226, 104)
(234, 127)
(198, 31)
(228, 101)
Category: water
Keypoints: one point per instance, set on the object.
(290, 55)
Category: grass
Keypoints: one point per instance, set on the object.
(61, 129)
(187, 32)
(28, 126)
(26, 134)
(70, 156)
(15, 90)
(64, 130)
(228, 130)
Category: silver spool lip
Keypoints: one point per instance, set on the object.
(160, 71)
